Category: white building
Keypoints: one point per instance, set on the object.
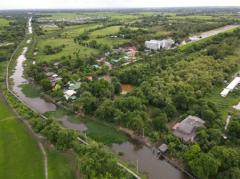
(158, 44)
(230, 87)
(194, 38)
(153, 44)
(69, 94)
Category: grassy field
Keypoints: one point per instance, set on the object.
(106, 31)
(111, 41)
(20, 156)
(67, 38)
(74, 31)
(70, 48)
(4, 22)
(61, 165)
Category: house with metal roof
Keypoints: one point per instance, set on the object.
(230, 87)
(186, 129)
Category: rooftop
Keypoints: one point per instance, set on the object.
(186, 128)
(230, 87)
(163, 148)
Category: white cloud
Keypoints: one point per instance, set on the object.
(27, 4)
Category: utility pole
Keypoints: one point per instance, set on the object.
(137, 165)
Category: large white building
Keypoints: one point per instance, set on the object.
(158, 44)
(230, 87)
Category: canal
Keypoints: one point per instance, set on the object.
(138, 155)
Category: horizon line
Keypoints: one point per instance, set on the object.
(115, 8)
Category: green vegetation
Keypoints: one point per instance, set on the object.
(18, 147)
(4, 22)
(31, 91)
(95, 161)
(61, 165)
(224, 105)
(168, 85)
(102, 133)
(69, 49)
(106, 31)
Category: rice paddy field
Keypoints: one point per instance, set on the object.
(20, 156)
(61, 165)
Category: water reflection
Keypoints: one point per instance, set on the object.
(147, 161)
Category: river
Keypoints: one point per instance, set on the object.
(38, 104)
(147, 162)
(133, 153)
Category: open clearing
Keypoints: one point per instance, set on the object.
(69, 49)
(4, 22)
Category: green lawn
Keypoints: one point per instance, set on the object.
(20, 156)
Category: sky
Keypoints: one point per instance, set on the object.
(79, 4)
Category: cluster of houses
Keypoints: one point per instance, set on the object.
(53, 78)
(230, 87)
(159, 44)
(71, 91)
(129, 57)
